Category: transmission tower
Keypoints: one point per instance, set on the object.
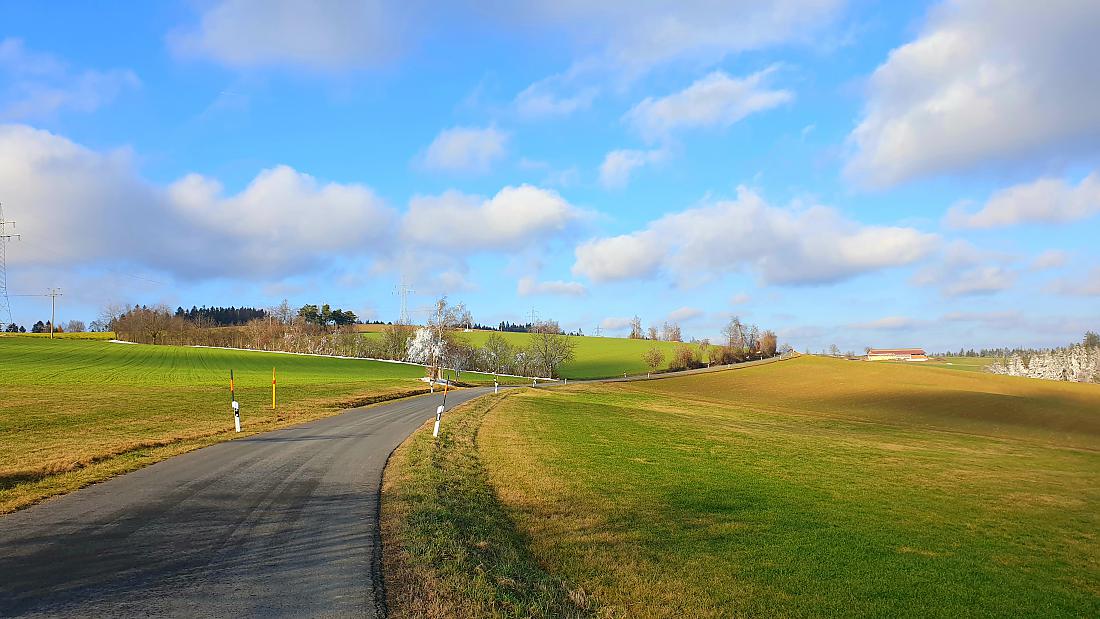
(5, 302)
(402, 290)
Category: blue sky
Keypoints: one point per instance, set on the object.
(855, 173)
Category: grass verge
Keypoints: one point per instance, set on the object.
(449, 548)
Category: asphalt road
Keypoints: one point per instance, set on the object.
(281, 523)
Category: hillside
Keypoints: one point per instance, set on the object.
(807, 487)
(596, 357)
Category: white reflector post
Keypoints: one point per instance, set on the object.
(237, 415)
(438, 417)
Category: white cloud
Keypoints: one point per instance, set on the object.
(1050, 259)
(1089, 286)
(628, 256)
(740, 299)
(615, 323)
(964, 270)
(468, 149)
(781, 245)
(889, 323)
(616, 50)
(78, 207)
(283, 214)
(619, 165)
(986, 82)
(1047, 200)
(543, 98)
(635, 36)
(515, 217)
(38, 85)
(330, 35)
(528, 286)
(716, 100)
(685, 314)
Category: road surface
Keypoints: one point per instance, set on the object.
(281, 523)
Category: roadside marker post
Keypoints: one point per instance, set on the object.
(496, 387)
(439, 417)
(233, 403)
(272, 388)
(439, 409)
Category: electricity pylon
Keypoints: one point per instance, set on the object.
(5, 302)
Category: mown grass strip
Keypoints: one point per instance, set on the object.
(450, 549)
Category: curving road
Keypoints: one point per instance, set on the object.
(281, 523)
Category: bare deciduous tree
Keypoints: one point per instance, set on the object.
(768, 342)
(548, 349)
(636, 329)
(653, 358)
(499, 355)
(395, 341)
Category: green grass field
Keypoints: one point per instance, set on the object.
(807, 487)
(966, 364)
(74, 411)
(596, 357)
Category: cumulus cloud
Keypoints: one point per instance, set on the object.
(660, 32)
(617, 51)
(529, 286)
(1047, 200)
(615, 323)
(544, 98)
(964, 270)
(1088, 286)
(1050, 259)
(619, 165)
(466, 149)
(330, 35)
(781, 245)
(986, 82)
(888, 323)
(628, 256)
(514, 218)
(284, 214)
(37, 85)
(685, 314)
(716, 100)
(76, 206)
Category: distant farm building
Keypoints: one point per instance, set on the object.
(896, 354)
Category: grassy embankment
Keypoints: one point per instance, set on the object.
(596, 357)
(450, 548)
(73, 412)
(804, 488)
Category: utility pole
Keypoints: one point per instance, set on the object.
(597, 330)
(52, 294)
(5, 302)
(402, 290)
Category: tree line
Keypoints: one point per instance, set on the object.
(320, 330)
(72, 326)
(741, 342)
(1078, 362)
